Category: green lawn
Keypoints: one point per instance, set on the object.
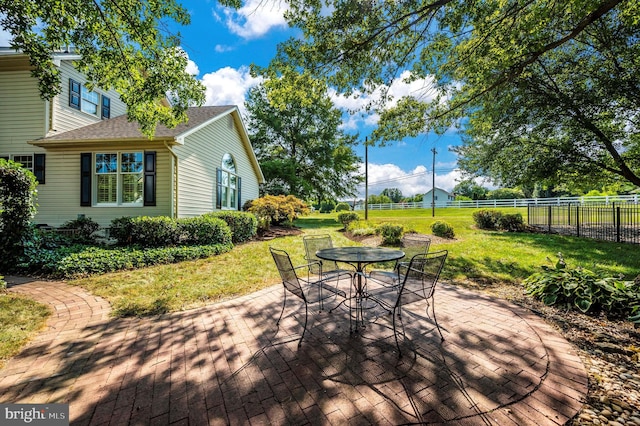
(21, 319)
(482, 257)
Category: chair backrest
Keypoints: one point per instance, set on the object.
(313, 243)
(417, 240)
(287, 272)
(423, 273)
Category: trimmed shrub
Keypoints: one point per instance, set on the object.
(203, 230)
(391, 234)
(511, 222)
(121, 229)
(487, 219)
(277, 209)
(347, 217)
(327, 206)
(244, 225)
(343, 207)
(17, 208)
(159, 231)
(79, 260)
(85, 227)
(442, 229)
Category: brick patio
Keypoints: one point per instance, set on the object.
(227, 363)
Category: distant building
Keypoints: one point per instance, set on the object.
(441, 198)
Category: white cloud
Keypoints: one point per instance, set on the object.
(228, 86)
(422, 89)
(410, 183)
(221, 48)
(192, 68)
(255, 18)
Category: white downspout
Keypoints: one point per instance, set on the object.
(174, 206)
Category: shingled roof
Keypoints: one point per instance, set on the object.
(121, 129)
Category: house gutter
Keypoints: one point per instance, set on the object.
(174, 213)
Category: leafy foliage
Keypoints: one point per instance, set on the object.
(345, 218)
(203, 230)
(585, 290)
(17, 207)
(343, 207)
(471, 190)
(494, 219)
(543, 92)
(487, 219)
(278, 209)
(442, 229)
(84, 227)
(391, 233)
(295, 132)
(154, 231)
(122, 45)
(511, 222)
(393, 193)
(243, 225)
(79, 260)
(505, 194)
(327, 206)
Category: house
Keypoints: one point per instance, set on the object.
(440, 198)
(91, 161)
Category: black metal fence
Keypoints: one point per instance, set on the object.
(620, 223)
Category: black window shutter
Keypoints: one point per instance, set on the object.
(85, 178)
(106, 107)
(218, 188)
(74, 94)
(149, 178)
(239, 193)
(38, 167)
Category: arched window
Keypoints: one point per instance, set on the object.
(228, 183)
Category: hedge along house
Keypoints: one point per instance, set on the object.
(90, 160)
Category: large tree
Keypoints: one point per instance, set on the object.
(543, 90)
(124, 45)
(295, 131)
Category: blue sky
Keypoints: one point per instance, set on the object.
(221, 44)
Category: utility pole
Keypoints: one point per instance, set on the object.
(366, 179)
(433, 184)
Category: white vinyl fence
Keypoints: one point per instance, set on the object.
(516, 202)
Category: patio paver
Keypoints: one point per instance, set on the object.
(227, 363)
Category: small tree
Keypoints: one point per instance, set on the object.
(17, 208)
(277, 209)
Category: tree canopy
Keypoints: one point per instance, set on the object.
(295, 132)
(544, 91)
(123, 44)
(393, 193)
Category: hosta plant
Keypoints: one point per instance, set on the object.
(585, 290)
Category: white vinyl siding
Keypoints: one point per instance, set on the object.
(22, 112)
(65, 117)
(199, 158)
(59, 199)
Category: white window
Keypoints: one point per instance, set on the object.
(229, 183)
(119, 178)
(90, 101)
(25, 160)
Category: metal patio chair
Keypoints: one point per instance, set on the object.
(392, 278)
(418, 283)
(325, 269)
(309, 291)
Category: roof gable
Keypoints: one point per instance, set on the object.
(121, 129)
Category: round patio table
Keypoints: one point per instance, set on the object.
(359, 258)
